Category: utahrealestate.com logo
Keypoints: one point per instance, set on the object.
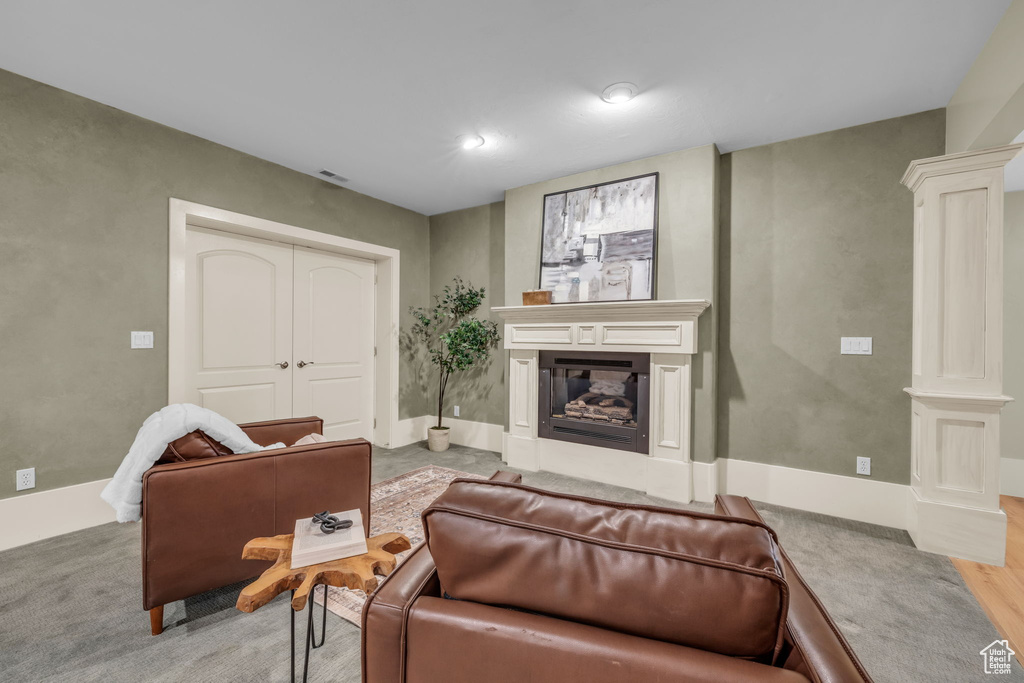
(997, 657)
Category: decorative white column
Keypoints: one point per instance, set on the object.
(957, 386)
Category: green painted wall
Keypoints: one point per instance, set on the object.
(1012, 420)
(84, 194)
(687, 247)
(471, 244)
(817, 244)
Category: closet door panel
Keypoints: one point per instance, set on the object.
(239, 322)
(334, 342)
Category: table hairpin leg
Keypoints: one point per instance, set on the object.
(323, 622)
(310, 632)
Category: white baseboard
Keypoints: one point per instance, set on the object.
(860, 499)
(60, 511)
(410, 430)
(705, 481)
(34, 516)
(482, 435)
(1011, 477)
(670, 479)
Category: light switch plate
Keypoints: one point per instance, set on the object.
(855, 346)
(142, 340)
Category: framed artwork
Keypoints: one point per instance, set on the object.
(598, 242)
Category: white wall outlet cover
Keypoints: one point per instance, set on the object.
(864, 466)
(855, 346)
(456, 411)
(142, 340)
(25, 479)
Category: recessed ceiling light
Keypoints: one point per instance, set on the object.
(617, 93)
(470, 141)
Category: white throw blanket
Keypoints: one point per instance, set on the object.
(124, 492)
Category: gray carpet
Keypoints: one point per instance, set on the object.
(71, 606)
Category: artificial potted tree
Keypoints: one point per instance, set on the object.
(455, 341)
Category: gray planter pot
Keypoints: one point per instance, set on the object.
(437, 439)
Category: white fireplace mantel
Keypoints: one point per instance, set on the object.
(668, 326)
(665, 329)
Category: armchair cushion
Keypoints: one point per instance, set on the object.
(704, 581)
(286, 431)
(310, 438)
(193, 446)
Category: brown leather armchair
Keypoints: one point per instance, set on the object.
(198, 515)
(517, 584)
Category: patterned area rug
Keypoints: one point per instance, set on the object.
(395, 505)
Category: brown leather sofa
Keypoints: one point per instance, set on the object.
(518, 584)
(198, 515)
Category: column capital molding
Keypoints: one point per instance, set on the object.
(994, 157)
(941, 399)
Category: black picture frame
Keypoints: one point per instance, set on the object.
(579, 252)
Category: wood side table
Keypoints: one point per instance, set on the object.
(357, 572)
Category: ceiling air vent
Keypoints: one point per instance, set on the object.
(333, 176)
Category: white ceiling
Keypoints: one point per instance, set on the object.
(378, 91)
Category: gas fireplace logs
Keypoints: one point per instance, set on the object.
(600, 407)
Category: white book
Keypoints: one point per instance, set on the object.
(313, 546)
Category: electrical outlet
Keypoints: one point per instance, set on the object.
(456, 411)
(864, 466)
(25, 479)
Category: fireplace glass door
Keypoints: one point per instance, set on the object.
(599, 399)
(594, 396)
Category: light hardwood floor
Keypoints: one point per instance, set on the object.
(1000, 590)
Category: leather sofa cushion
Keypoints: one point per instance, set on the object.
(286, 431)
(310, 439)
(704, 581)
(193, 446)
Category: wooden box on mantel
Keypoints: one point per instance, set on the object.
(536, 297)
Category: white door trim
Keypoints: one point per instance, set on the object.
(184, 213)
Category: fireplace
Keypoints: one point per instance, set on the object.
(653, 344)
(599, 399)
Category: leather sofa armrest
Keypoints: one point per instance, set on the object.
(820, 651)
(508, 477)
(386, 614)
(457, 641)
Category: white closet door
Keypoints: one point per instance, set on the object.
(333, 342)
(239, 325)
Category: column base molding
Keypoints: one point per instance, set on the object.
(963, 532)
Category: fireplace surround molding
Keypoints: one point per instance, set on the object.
(667, 330)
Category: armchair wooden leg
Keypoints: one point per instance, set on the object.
(156, 620)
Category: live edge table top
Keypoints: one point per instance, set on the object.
(357, 573)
